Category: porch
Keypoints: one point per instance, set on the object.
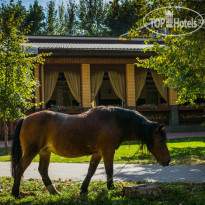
(84, 72)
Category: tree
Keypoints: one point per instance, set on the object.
(70, 18)
(181, 58)
(91, 15)
(60, 22)
(50, 27)
(21, 11)
(123, 14)
(17, 82)
(35, 19)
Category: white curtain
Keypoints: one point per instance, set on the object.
(73, 80)
(117, 80)
(50, 84)
(158, 80)
(140, 79)
(96, 82)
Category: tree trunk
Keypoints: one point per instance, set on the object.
(5, 136)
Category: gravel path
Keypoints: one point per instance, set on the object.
(132, 172)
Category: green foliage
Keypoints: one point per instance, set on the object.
(61, 22)
(70, 18)
(181, 58)
(35, 19)
(122, 15)
(50, 26)
(21, 11)
(17, 83)
(91, 16)
(172, 193)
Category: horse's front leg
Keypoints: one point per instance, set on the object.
(108, 157)
(43, 170)
(95, 159)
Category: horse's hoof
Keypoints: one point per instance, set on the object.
(52, 190)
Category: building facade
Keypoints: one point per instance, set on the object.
(90, 71)
(83, 72)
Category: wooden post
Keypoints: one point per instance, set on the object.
(174, 115)
(172, 96)
(85, 86)
(130, 86)
(37, 91)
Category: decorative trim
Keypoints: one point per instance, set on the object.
(89, 61)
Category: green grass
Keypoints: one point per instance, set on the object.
(182, 151)
(172, 194)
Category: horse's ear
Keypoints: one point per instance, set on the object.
(160, 127)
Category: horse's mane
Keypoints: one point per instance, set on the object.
(133, 124)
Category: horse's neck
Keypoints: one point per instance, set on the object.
(137, 134)
(129, 138)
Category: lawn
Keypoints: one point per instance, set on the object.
(182, 151)
(172, 193)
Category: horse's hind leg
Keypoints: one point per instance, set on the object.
(108, 157)
(95, 159)
(19, 170)
(43, 170)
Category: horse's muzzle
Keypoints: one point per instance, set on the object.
(165, 163)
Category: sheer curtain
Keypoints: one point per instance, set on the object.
(73, 80)
(117, 80)
(158, 80)
(50, 84)
(140, 79)
(96, 82)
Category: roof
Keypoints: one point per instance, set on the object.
(62, 45)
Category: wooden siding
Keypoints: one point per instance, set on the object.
(91, 60)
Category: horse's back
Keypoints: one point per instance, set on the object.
(71, 135)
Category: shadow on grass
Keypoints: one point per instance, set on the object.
(175, 140)
(175, 193)
(184, 155)
(187, 152)
(188, 139)
(139, 157)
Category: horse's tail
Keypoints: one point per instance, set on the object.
(16, 151)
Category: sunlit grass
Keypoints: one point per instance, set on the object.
(182, 151)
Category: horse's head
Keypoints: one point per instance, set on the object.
(159, 149)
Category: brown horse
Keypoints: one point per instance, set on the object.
(97, 132)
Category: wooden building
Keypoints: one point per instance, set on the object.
(91, 71)
(88, 71)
